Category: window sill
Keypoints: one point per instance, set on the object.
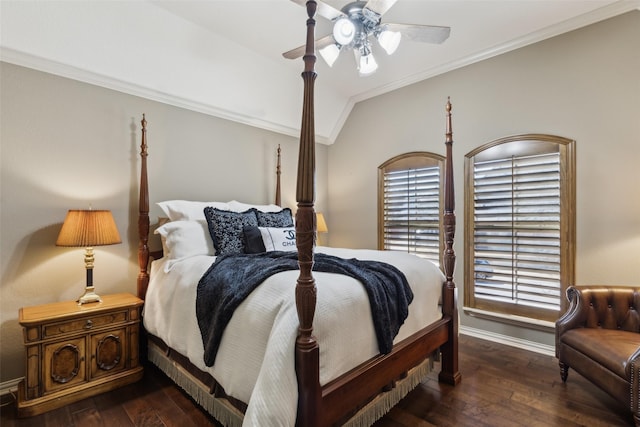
(527, 322)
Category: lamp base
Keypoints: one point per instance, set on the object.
(89, 296)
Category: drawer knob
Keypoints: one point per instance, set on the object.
(89, 324)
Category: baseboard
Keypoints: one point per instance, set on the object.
(10, 387)
(548, 350)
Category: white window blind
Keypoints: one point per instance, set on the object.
(516, 231)
(411, 211)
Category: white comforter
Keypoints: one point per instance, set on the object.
(255, 362)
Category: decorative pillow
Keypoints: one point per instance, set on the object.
(236, 206)
(184, 239)
(226, 228)
(278, 239)
(185, 210)
(280, 219)
(252, 238)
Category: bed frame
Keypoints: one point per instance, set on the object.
(365, 393)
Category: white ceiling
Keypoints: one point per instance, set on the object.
(225, 57)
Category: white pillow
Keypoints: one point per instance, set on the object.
(185, 210)
(236, 206)
(184, 239)
(278, 239)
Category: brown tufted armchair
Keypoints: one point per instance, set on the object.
(599, 337)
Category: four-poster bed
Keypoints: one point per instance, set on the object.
(357, 395)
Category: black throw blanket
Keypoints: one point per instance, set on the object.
(231, 278)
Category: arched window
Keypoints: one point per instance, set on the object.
(520, 225)
(410, 194)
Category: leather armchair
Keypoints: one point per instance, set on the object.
(599, 337)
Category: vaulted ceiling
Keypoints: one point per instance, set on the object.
(225, 57)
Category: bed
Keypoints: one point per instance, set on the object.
(285, 363)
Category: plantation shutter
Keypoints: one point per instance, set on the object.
(411, 211)
(516, 230)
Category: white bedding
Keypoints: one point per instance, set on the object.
(255, 362)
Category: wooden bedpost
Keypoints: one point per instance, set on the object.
(278, 191)
(143, 216)
(307, 350)
(449, 372)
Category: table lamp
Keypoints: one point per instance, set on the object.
(88, 228)
(321, 225)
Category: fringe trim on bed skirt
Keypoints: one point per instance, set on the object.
(226, 414)
(229, 416)
(383, 403)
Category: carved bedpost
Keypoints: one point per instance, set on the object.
(143, 216)
(278, 191)
(307, 351)
(449, 372)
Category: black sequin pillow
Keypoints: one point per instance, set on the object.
(226, 229)
(279, 219)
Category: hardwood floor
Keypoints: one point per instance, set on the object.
(501, 386)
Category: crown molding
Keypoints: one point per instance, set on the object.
(67, 71)
(606, 12)
(64, 70)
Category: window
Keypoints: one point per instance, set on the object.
(409, 200)
(520, 225)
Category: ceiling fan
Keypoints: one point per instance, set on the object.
(354, 27)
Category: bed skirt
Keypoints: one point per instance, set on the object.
(221, 409)
(383, 403)
(227, 414)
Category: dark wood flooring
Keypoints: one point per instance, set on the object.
(501, 386)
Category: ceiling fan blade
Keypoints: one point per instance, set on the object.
(322, 9)
(380, 6)
(295, 53)
(299, 51)
(420, 33)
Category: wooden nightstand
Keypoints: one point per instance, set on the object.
(73, 352)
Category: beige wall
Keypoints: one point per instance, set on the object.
(68, 145)
(584, 85)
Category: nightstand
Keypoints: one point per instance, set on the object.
(77, 351)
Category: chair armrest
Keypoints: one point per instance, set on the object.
(574, 317)
(633, 374)
(608, 307)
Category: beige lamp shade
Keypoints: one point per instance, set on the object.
(321, 225)
(86, 228)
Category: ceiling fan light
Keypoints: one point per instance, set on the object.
(389, 40)
(367, 65)
(344, 31)
(330, 54)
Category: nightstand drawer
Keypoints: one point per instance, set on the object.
(84, 324)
